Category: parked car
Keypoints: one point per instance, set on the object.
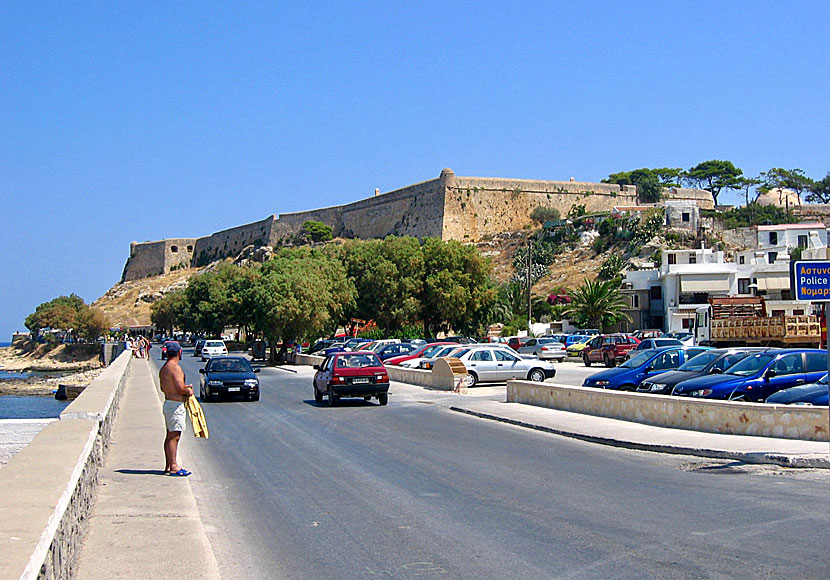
(686, 338)
(647, 333)
(516, 342)
(351, 374)
(544, 348)
(575, 349)
(600, 347)
(197, 347)
(395, 349)
(376, 345)
(574, 338)
(213, 348)
(427, 362)
(639, 367)
(811, 394)
(320, 345)
(710, 362)
(589, 331)
(228, 375)
(356, 343)
(759, 375)
(649, 343)
(489, 365)
(425, 351)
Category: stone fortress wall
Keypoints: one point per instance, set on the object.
(450, 207)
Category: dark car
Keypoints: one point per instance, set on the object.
(759, 375)
(228, 376)
(710, 362)
(812, 394)
(395, 349)
(351, 374)
(164, 348)
(197, 347)
(642, 365)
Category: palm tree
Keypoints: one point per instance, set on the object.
(596, 304)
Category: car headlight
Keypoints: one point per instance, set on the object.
(701, 393)
(215, 383)
(251, 383)
(656, 386)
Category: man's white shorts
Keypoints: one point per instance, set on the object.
(174, 415)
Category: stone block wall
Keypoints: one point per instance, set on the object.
(231, 241)
(155, 258)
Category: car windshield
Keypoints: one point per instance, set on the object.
(699, 362)
(235, 365)
(214, 343)
(454, 352)
(431, 350)
(750, 365)
(638, 360)
(357, 361)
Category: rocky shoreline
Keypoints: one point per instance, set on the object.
(78, 372)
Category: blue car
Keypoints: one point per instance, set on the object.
(759, 375)
(644, 364)
(812, 394)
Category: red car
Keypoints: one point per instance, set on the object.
(351, 374)
(427, 348)
(608, 348)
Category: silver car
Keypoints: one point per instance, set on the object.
(544, 348)
(497, 365)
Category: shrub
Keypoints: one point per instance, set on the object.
(542, 214)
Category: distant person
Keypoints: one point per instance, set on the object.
(171, 379)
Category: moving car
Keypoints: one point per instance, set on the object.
(490, 365)
(759, 375)
(228, 375)
(544, 348)
(164, 348)
(351, 374)
(706, 363)
(812, 394)
(639, 367)
(197, 347)
(213, 348)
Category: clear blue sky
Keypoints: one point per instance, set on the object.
(139, 121)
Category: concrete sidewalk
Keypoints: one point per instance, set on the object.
(144, 524)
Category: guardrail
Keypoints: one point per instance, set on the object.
(730, 417)
(48, 488)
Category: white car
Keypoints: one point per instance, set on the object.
(497, 365)
(213, 348)
(544, 348)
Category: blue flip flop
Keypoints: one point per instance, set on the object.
(179, 473)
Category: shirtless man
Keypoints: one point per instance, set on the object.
(171, 378)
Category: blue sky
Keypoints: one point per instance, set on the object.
(139, 121)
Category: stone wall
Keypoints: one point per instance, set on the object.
(451, 207)
(156, 258)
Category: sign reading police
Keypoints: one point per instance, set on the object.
(812, 280)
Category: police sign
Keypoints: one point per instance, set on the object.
(811, 280)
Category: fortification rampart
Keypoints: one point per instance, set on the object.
(449, 207)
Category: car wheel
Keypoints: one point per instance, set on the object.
(331, 399)
(585, 359)
(738, 397)
(629, 388)
(318, 396)
(472, 379)
(609, 362)
(383, 398)
(536, 375)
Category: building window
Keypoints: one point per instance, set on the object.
(672, 259)
(685, 216)
(693, 259)
(656, 292)
(772, 257)
(777, 313)
(802, 242)
(189, 248)
(174, 249)
(786, 294)
(798, 312)
(635, 301)
(687, 323)
(743, 286)
(773, 238)
(741, 259)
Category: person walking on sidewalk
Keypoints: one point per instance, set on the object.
(171, 379)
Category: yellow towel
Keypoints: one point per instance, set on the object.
(197, 417)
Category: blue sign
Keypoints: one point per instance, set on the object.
(811, 280)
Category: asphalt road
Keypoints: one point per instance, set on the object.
(290, 489)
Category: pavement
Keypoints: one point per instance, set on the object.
(140, 511)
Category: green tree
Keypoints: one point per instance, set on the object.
(819, 191)
(542, 214)
(714, 176)
(458, 292)
(90, 323)
(792, 179)
(59, 313)
(596, 304)
(649, 189)
(167, 313)
(313, 231)
(388, 275)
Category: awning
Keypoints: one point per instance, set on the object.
(704, 283)
(774, 282)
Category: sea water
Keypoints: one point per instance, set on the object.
(14, 407)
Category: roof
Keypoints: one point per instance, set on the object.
(801, 226)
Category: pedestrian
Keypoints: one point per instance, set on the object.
(171, 380)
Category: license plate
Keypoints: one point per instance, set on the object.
(360, 381)
(233, 389)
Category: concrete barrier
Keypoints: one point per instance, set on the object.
(48, 488)
(730, 417)
(418, 377)
(309, 359)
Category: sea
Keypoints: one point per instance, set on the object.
(15, 407)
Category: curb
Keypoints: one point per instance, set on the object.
(794, 461)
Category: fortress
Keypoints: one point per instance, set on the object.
(449, 207)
